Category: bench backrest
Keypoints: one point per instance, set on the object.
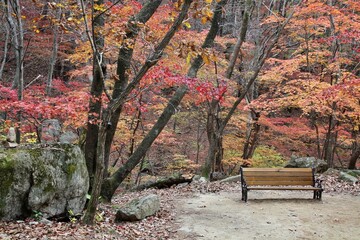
(278, 176)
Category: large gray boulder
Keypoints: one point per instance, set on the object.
(51, 180)
(307, 162)
(138, 209)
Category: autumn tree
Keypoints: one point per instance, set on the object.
(116, 104)
(314, 75)
(215, 124)
(111, 184)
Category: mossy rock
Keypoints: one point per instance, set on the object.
(51, 180)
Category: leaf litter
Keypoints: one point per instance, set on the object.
(160, 226)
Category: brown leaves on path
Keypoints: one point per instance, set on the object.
(160, 226)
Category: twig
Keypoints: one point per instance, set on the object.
(39, 76)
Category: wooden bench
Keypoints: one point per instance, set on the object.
(279, 179)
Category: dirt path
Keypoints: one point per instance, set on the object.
(269, 215)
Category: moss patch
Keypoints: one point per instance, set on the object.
(7, 170)
(70, 170)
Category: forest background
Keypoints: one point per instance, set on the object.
(192, 86)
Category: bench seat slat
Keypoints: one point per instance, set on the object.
(274, 182)
(273, 174)
(277, 170)
(279, 178)
(282, 188)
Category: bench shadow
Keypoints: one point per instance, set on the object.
(284, 200)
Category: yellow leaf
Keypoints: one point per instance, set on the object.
(205, 58)
(188, 59)
(203, 20)
(187, 24)
(208, 1)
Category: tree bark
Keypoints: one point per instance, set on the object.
(14, 8)
(265, 48)
(97, 88)
(123, 68)
(244, 26)
(253, 136)
(54, 52)
(165, 182)
(354, 157)
(111, 184)
(6, 47)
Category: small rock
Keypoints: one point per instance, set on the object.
(10, 144)
(46, 221)
(69, 137)
(11, 136)
(138, 209)
(203, 180)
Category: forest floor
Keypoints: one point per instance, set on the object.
(214, 210)
(269, 215)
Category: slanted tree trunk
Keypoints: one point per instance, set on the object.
(123, 67)
(115, 104)
(111, 184)
(165, 182)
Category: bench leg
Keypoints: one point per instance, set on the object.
(244, 195)
(317, 194)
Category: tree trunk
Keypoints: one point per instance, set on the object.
(98, 177)
(264, 52)
(14, 9)
(215, 152)
(123, 68)
(330, 140)
(355, 151)
(252, 137)
(54, 52)
(97, 88)
(215, 136)
(165, 182)
(111, 184)
(6, 43)
(244, 26)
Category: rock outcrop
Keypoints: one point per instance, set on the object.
(51, 180)
(307, 162)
